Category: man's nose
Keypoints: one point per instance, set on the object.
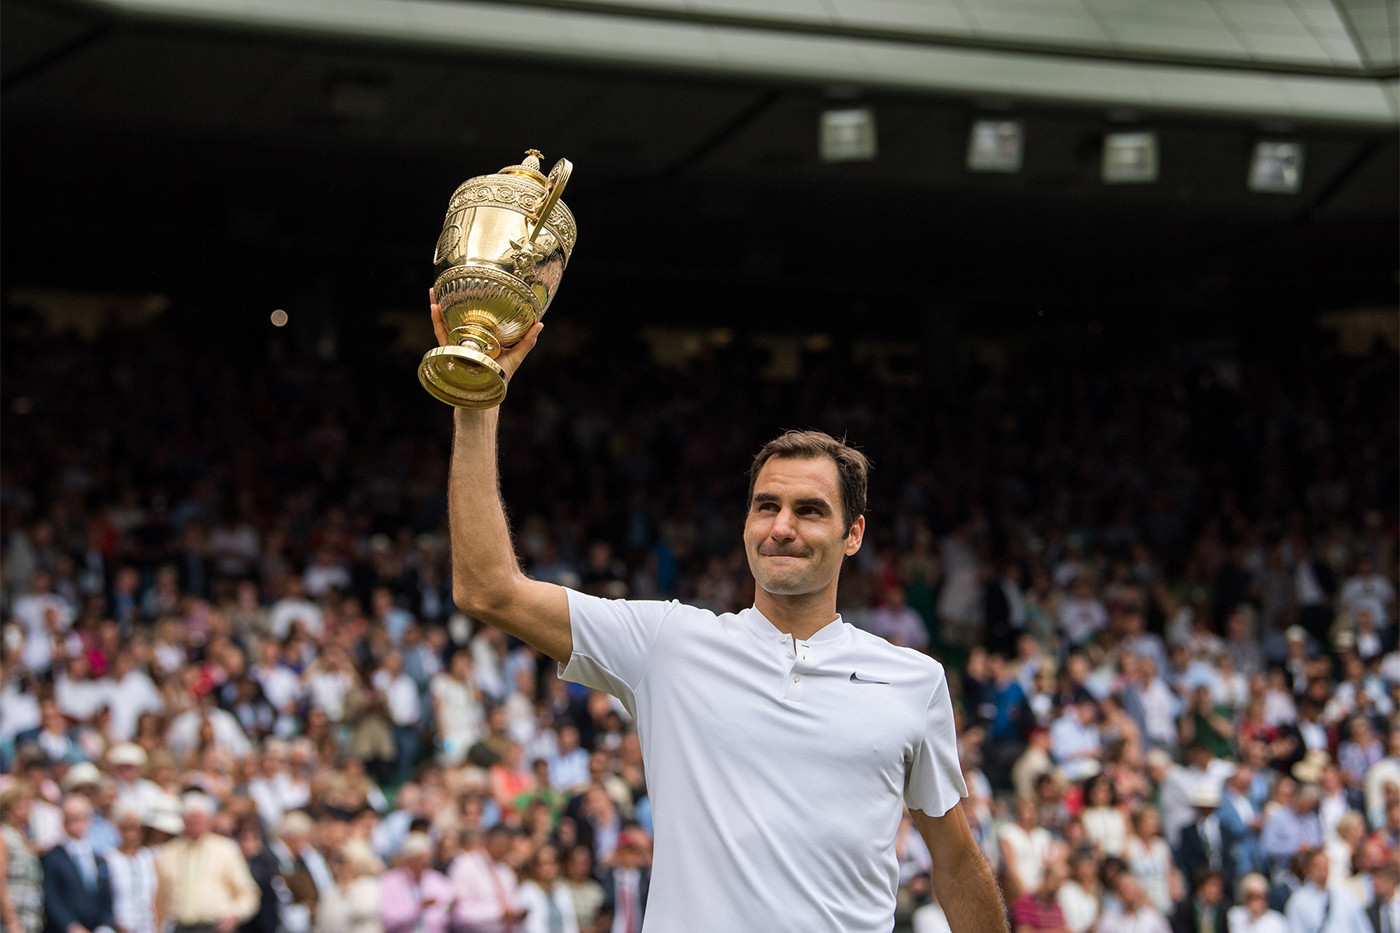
(783, 525)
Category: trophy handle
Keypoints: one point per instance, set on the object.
(558, 178)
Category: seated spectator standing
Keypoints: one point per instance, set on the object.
(204, 882)
(77, 881)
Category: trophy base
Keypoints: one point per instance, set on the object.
(463, 377)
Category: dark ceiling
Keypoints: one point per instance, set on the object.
(240, 171)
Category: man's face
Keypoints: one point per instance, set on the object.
(1318, 869)
(196, 823)
(77, 816)
(794, 536)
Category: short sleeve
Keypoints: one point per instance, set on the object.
(933, 781)
(612, 643)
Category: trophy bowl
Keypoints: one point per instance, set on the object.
(502, 252)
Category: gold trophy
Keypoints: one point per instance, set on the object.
(503, 249)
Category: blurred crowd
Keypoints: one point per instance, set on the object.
(235, 692)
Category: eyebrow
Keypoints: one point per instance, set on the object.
(818, 501)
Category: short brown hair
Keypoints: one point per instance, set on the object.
(852, 466)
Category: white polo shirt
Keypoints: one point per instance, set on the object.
(778, 770)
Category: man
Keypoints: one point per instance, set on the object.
(1134, 914)
(415, 898)
(485, 888)
(77, 882)
(1252, 914)
(1384, 912)
(1316, 908)
(627, 883)
(127, 762)
(203, 878)
(1204, 845)
(1205, 910)
(300, 889)
(1074, 741)
(1292, 827)
(781, 744)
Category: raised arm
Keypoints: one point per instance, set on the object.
(487, 581)
(962, 880)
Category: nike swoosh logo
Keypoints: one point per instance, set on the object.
(856, 679)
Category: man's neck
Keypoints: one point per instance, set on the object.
(799, 616)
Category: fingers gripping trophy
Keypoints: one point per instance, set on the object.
(502, 252)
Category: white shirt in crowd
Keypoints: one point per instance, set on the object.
(133, 890)
(280, 685)
(32, 611)
(1142, 920)
(289, 610)
(400, 697)
(1310, 909)
(278, 795)
(459, 720)
(327, 690)
(1081, 618)
(183, 734)
(1237, 920)
(545, 907)
(129, 698)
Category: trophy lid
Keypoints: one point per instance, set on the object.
(529, 167)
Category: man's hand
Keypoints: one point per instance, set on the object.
(510, 358)
(228, 925)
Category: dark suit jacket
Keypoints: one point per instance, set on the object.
(1186, 919)
(610, 890)
(1192, 855)
(67, 900)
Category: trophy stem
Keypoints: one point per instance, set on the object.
(465, 374)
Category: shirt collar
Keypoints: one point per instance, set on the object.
(758, 623)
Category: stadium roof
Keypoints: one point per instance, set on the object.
(301, 134)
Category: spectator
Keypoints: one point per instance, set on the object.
(456, 708)
(352, 903)
(546, 900)
(628, 883)
(1039, 910)
(1105, 826)
(415, 898)
(1025, 849)
(1291, 825)
(203, 878)
(77, 882)
(1205, 910)
(1384, 912)
(263, 868)
(1205, 848)
(1080, 897)
(1253, 914)
(132, 866)
(1315, 906)
(485, 887)
(21, 876)
(584, 888)
(1149, 858)
(1074, 740)
(1133, 913)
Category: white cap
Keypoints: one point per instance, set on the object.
(1207, 796)
(127, 753)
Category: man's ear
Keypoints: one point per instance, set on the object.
(855, 536)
